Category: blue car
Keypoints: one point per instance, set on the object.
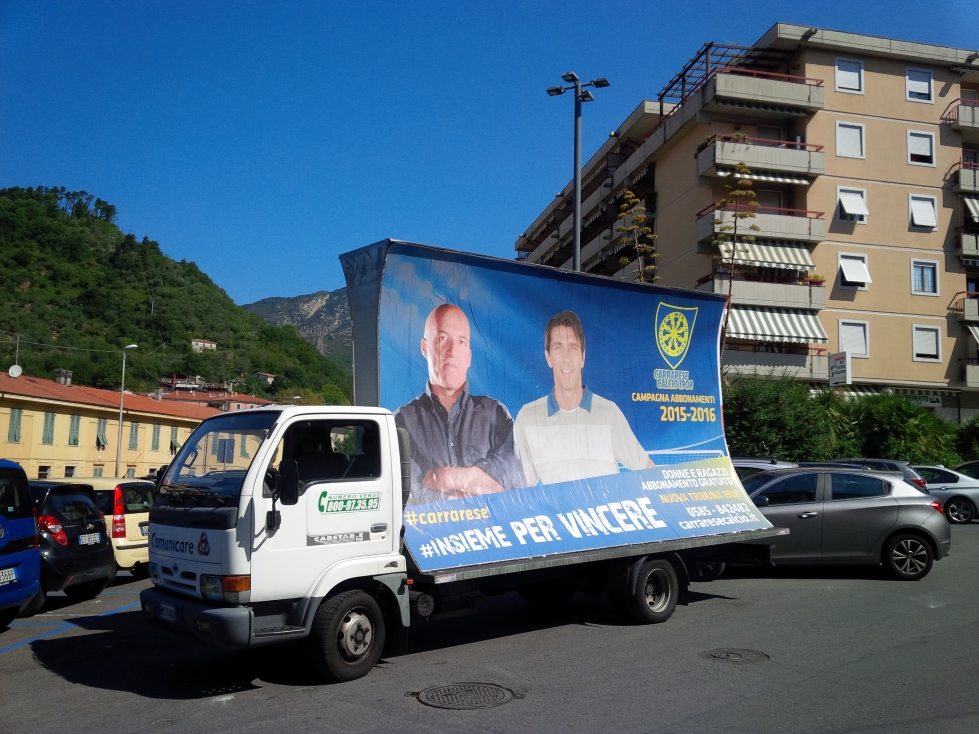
(20, 557)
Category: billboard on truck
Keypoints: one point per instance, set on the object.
(549, 411)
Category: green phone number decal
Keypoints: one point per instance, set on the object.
(349, 502)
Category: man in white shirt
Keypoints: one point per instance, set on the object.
(573, 433)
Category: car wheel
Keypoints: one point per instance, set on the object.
(7, 616)
(706, 570)
(33, 606)
(959, 510)
(656, 592)
(347, 636)
(908, 557)
(86, 591)
(140, 571)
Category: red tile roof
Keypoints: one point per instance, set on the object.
(36, 387)
(206, 397)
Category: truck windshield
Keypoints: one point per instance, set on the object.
(216, 457)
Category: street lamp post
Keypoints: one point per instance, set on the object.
(122, 391)
(581, 94)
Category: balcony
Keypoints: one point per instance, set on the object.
(795, 161)
(796, 225)
(963, 114)
(967, 307)
(751, 93)
(750, 361)
(759, 293)
(967, 244)
(969, 372)
(965, 177)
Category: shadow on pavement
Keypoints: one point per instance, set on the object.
(865, 573)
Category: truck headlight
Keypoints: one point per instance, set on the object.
(226, 589)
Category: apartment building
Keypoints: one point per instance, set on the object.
(863, 156)
(57, 430)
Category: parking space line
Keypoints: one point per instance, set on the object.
(63, 628)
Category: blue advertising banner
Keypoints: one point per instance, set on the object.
(548, 412)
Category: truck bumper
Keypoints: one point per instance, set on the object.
(229, 627)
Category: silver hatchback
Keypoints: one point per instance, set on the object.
(849, 516)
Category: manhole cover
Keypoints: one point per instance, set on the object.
(465, 696)
(735, 655)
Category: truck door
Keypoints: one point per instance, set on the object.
(345, 507)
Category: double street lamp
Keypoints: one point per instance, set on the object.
(122, 391)
(581, 94)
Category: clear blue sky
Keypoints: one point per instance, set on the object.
(260, 140)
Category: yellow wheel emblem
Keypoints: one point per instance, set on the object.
(674, 333)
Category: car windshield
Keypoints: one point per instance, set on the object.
(15, 499)
(217, 456)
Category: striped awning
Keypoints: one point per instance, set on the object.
(770, 254)
(776, 177)
(972, 206)
(775, 325)
(974, 330)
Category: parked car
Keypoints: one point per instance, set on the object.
(76, 555)
(850, 516)
(969, 468)
(127, 502)
(910, 475)
(20, 559)
(747, 466)
(958, 492)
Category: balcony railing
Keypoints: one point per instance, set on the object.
(774, 223)
(965, 175)
(966, 308)
(761, 360)
(969, 371)
(966, 243)
(747, 292)
(963, 115)
(767, 142)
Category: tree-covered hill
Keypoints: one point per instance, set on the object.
(69, 277)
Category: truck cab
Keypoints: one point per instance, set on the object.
(282, 523)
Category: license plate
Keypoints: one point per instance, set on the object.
(166, 612)
(89, 539)
(7, 576)
(143, 529)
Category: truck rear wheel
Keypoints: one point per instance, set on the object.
(656, 593)
(347, 636)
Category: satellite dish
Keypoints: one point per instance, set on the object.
(15, 370)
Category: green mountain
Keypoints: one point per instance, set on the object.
(71, 278)
(321, 318)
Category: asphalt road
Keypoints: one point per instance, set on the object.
(847, 651)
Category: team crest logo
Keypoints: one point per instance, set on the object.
(674, 327)
(203, 547)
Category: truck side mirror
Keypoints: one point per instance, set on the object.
(289, 482)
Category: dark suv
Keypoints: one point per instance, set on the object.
(76, 555)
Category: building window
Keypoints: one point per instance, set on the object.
(852, 205)
(97, 471)
(921, 148)
(918, 85)
(131, 472)
(237, 406)
(855, 338)
(244, 449)
(100, 439)
(854, 272)
(69, 472)
(44, 472)
(924, 277)
(48, 436)
(926, 343)
(13, 428)
(155, 446)
(174, 443)
(73, 425)
(923, 211)
(849, 75)
(850, 140)
(134, 436)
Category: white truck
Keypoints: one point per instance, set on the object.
(341, 524)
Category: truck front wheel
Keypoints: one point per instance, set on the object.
(347, 636)
(656, 592)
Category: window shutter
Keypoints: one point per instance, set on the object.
(849, 140)
(854, 203)
(853, 338)
(925, 343)
(848, 75)
(920, 144)
(923, 213)
(855, 270)
(919, 82)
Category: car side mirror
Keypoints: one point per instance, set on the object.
(289, 482)
(760, 501)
